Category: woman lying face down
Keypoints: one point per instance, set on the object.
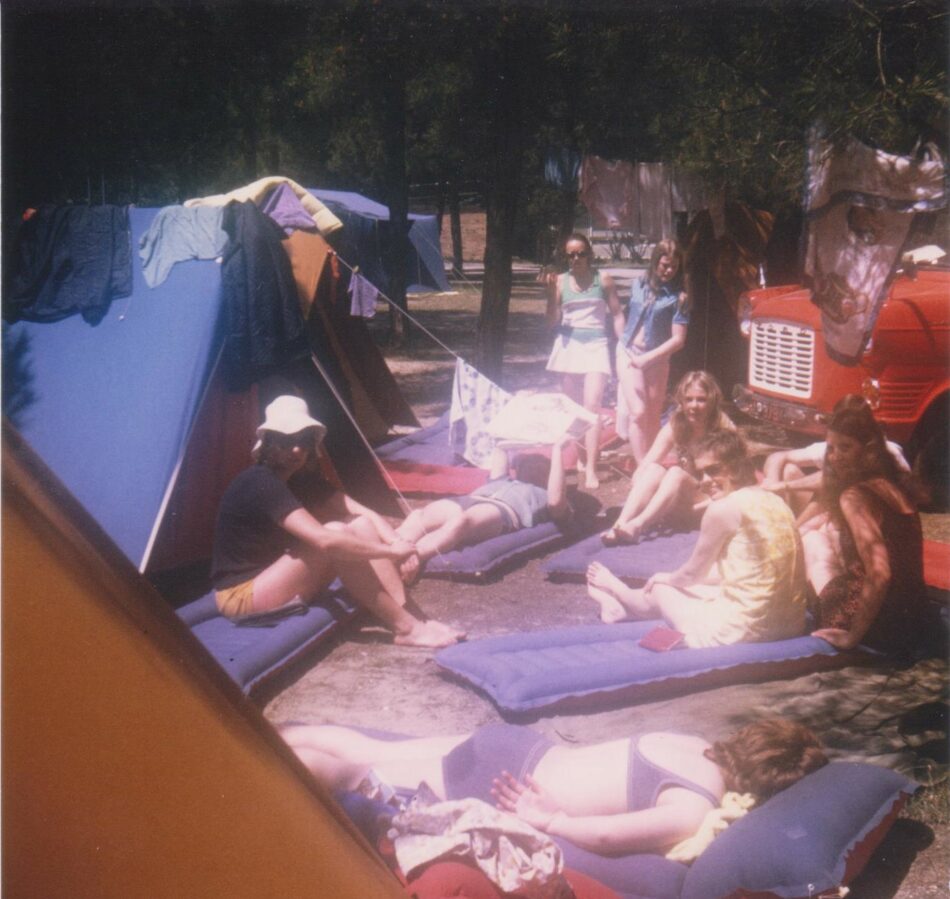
(744, 581)
(630, 795)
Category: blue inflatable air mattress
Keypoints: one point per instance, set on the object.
(636, 563)
(490, 557)
(253, 655)
(589, 666)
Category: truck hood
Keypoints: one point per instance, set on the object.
(794, 301)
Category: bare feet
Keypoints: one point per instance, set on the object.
(429, 635)
(411, 569)
(591, 481)
(617, 601)
(610, 609)
(620, 536)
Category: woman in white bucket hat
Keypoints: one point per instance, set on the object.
(269, 550)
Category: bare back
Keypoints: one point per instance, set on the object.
(595, 780)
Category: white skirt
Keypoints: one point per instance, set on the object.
(578, 357)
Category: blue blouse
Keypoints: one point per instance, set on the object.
(658, 323)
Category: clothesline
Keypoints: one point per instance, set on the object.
(404, 312)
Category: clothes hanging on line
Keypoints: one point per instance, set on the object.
(264, 326)
(324, 219)
(608, 188)
(69, 259)
(178, 234)
(283, 206)
(859, 206)
(363, 296)
(476, 400)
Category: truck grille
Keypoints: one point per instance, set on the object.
(903, 399)
(782, 358)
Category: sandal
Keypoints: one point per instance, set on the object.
(617, 537)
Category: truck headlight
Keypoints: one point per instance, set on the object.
(871, 391)
(744, 314)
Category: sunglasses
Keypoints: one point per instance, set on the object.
(303, 439)
(578, 254)
(712, 471)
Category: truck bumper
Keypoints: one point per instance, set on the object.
(794, 416)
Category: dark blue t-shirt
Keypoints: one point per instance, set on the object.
(248, 536)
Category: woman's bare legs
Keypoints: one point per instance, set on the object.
(375, 586)
(644, 390)
(677, 607)
(443, 525)
(588, 391)
(302, 574)
(617, 601)
(594, 384)
(646, 481)
(340, 757)
(676, 490)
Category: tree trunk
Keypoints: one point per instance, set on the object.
(455, 223)
(397, 198)
(501, 205)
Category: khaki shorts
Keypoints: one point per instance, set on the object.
(233, 602)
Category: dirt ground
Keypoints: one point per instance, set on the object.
(883, 715)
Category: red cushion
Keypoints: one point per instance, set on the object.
(937, 564)
(459, 880)
(440, 480)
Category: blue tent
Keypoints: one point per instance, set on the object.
(110, 407)
(366, 234)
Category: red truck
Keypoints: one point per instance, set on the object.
(904, 372)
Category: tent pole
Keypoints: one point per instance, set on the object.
(403, 504)
(173, 480)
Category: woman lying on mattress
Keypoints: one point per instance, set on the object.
(745, 580)
(869, 578)
(623, 796)
(665, 486)
(269, 550)
(535, 494)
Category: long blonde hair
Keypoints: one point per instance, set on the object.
(715, 417)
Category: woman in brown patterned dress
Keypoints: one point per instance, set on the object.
(879, 600)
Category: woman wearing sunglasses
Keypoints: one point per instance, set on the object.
(277, 541)
(745, 580)
(579, 306)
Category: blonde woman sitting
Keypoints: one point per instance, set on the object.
(665, 487)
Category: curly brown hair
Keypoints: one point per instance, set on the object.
(728, 448)
(767, 756)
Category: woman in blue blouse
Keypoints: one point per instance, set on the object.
(656, 328)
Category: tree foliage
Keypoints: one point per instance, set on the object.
(153, 102)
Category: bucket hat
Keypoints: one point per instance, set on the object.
(289, 415)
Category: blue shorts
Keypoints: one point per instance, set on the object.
(469, 769)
